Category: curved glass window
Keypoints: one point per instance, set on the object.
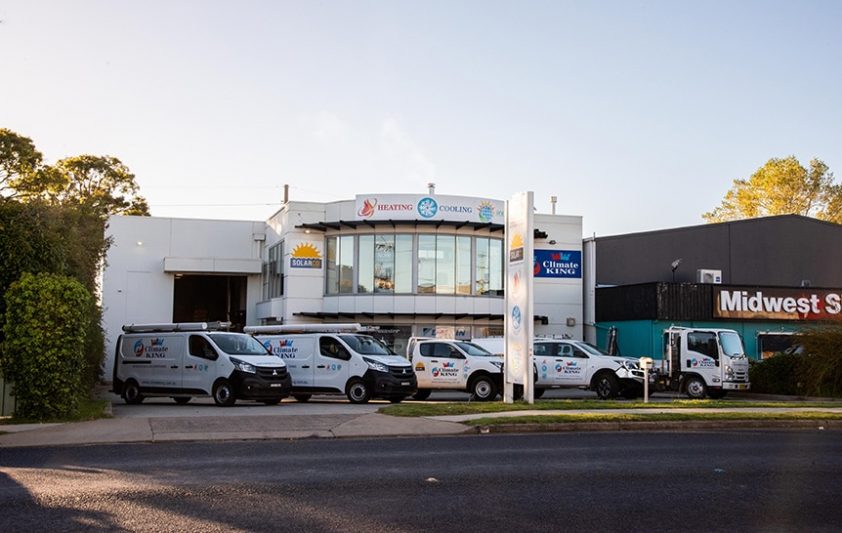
(413, 264)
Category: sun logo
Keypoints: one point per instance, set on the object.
(306, 250)
(517, 241)
(305, 255)
(486, 211)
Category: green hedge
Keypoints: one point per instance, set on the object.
(46, 327)
(778, 374)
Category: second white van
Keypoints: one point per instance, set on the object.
(338, 359)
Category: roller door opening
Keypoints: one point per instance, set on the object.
(201, 298)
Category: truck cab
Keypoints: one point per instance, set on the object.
(703, 362)
(447, 364)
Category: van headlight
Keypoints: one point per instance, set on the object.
(729, 371)
(242, 366)
(375, 365)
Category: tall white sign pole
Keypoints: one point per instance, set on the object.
(519, 321)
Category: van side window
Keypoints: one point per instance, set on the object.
(579, 353)
(542, 348)
(200, 347)
(565, 350)
(331, 347)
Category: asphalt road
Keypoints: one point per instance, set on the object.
(706, 481)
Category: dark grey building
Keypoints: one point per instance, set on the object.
(787, 250)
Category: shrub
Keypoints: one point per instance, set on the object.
(778, 374)
(821, 368)
(46, 327)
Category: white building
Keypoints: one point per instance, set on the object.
(424, 265)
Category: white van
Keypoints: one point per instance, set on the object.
(338, 358)
(447, 364)
(189, 359)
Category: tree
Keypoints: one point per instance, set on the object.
(782, 187)
(100, 183)
(19, 161)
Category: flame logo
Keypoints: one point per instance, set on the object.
(368, 207)
(517, 241)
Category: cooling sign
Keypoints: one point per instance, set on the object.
(778, 304)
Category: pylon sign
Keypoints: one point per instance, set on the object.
(519, 314)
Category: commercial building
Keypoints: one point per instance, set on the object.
(411, 265)
(766, 278)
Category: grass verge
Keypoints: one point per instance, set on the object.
(88, 410)
(467, 408)
(653, 417)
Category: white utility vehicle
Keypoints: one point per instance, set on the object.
(189, 359)
(447, 364)
(702, 362)
(338, 359)
(567, 363)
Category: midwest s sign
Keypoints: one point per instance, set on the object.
(778, 304)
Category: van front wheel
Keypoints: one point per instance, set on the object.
(131, 393)
(357, 391)
(223, 393)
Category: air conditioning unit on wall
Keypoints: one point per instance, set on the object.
(706, 275)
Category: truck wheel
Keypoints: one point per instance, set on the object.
(181, 400)
(606, 386)
(223, 393)
(357, 391)
(131, 393)
(421, 394)
(695, 388)
(302, 397)
(483, 389)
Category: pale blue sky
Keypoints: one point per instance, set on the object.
(636, 114)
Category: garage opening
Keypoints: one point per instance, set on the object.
(203, 298)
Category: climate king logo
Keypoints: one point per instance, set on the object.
(138, 348)
(305, 255)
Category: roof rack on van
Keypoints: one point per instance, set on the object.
(176, 326)
(308, 328)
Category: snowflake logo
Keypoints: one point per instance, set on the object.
(427, 207)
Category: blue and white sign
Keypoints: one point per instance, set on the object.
(557, 264)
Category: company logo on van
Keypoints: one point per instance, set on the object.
(702, 362)
(283, 349)
(138, 348)
(305, 255)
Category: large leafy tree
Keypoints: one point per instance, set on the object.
(19, 162)
(782, 187)
(101, 183)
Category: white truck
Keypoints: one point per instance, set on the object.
(702, 362)
(446, 364)
(567, 363)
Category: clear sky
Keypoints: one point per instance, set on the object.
(636, 114)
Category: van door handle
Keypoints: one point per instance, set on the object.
(434, 360)
(320, 366)
(176, 366)
(305, 366)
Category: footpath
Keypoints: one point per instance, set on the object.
(280, 425)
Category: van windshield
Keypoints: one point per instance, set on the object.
(238, 344)
(366, 345)
(591, 349)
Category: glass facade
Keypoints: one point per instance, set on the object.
(414, 264)
(273, 272)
